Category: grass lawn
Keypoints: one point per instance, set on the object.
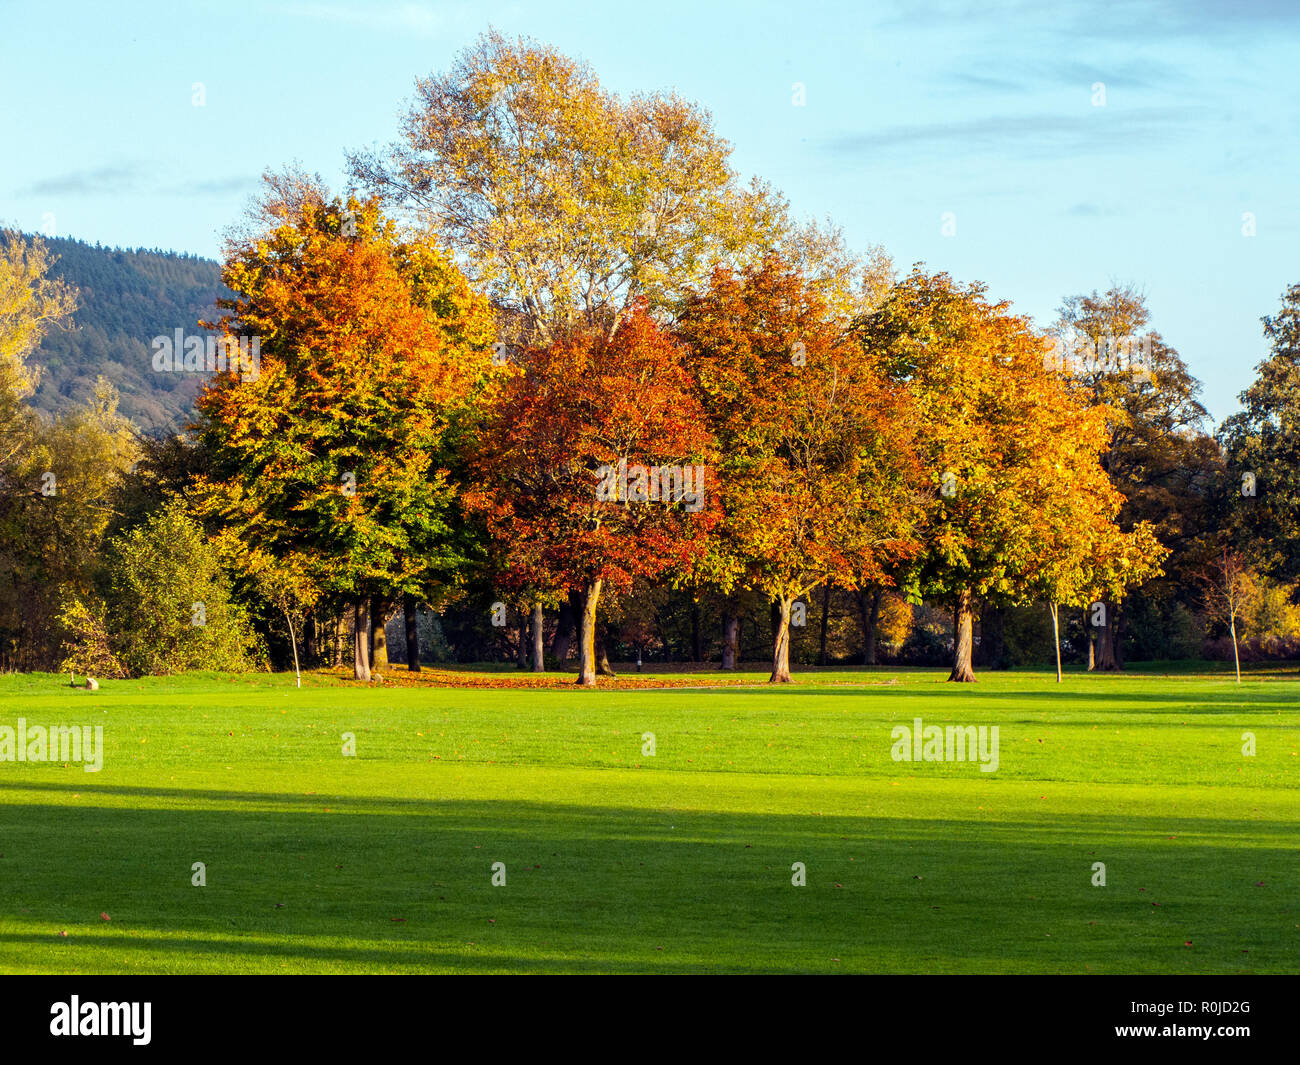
(680, 862)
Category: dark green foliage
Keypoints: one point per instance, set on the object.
(1161, 629)
(1263, 439)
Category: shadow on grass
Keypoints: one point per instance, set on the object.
(393, 884)
(1175, 702)
(387, 959)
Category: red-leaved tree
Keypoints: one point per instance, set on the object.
(595, 467)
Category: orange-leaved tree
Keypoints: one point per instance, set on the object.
(332, 456)
(819, 473)
(1084, 556)
(1023, 507)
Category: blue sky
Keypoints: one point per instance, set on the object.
(985, 110)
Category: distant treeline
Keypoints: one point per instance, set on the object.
(127, 297)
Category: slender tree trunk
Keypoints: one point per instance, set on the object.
(1105, 660)
(1236, 661)
(781, 643)
(298, 672)
(410, 620)
(379, 609)
(587, 635)
(730, 639)
(963, 638)
(870, 619)
(539, 646)
(361, 639)
(1092, 640)
(1056, 638)
(826, 613)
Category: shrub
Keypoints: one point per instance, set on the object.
(167, 606)
(87, 647)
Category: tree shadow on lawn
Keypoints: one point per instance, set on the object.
(392, 884)
(1175, 702)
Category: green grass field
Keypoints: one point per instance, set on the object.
(680, 862)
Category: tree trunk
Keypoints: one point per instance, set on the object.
(1092, 640)
(826, 612)
(730, 640)
(361, 639)
(870, 619)
(781, 643)
(963, 639)
(539, 646)
(1056, 638)
(298, 672)
(570, 611)
(379, 609)
(1105, 660)
(587, 635)
(411, 621)
(1236, 661)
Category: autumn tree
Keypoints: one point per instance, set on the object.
(1228, 589)
(58, 477)
(1263, 445)
(55, 518)
(31, 303)
(1158, 452)
(332, 459)
(595, 467)
(1009, 446)
(1087, 560)
(289, 585)
(819, 474)
(567, 203)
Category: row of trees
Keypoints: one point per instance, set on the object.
(390, 445)
(546, 300)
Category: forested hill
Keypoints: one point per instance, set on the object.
(126, 298)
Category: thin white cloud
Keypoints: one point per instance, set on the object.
(114, 180)
(1125, 20)
(1042, 135)
(131, 179)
